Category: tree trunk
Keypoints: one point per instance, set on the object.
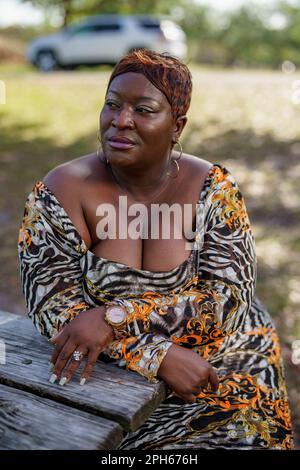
(67, 11)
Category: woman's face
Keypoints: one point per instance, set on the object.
(136, 123)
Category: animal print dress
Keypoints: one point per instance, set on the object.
(207, 304)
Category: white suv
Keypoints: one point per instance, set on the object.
(104, 39)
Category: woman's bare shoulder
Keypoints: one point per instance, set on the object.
(66, 180)
(196, 169)
(197, 164)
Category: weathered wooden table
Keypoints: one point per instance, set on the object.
(36, 414)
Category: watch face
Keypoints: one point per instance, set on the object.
(116, 315)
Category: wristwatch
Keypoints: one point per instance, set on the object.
(116, 317)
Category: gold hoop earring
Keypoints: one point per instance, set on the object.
(176, 160)
(180, 148)
(177, 166)
(99, 147)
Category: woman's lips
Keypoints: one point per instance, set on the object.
(120, 145)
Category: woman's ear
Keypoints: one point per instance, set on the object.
(178, 127)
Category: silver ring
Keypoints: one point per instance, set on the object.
(77, 355)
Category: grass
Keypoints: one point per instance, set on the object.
(245, 120)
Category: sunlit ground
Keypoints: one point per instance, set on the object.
(246, 120)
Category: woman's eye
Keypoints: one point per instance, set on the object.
(140, 109)
(111, 104)
(144, 110)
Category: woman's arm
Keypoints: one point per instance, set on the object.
(49, 252)
(49, 255)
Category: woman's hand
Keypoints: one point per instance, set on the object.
(185, 372)
(89, 334)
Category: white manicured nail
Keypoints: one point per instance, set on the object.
(51, 367)
(82, 381)
(63, 381)
(53, 378)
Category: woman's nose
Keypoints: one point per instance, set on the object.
(123, 119)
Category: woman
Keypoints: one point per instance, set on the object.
(145, 303)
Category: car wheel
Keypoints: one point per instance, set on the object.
(46, 61)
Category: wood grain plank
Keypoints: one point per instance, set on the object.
(7, 316)
(30, 422)
(114, 393)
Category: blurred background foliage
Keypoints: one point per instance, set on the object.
(254, 35)
(245, 114)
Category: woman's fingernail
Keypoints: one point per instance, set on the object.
(51, 367)
(53, 378)
(82, 381)
(63, 381)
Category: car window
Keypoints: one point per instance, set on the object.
(96, 28)
(147, 23)
(77, 29)
(106, 27)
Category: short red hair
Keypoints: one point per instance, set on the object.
(165, 72)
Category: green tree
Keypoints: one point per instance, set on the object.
(243, 34)
(71, 9)
(68, 9)
(290, 35)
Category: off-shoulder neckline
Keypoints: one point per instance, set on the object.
(88, 252)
